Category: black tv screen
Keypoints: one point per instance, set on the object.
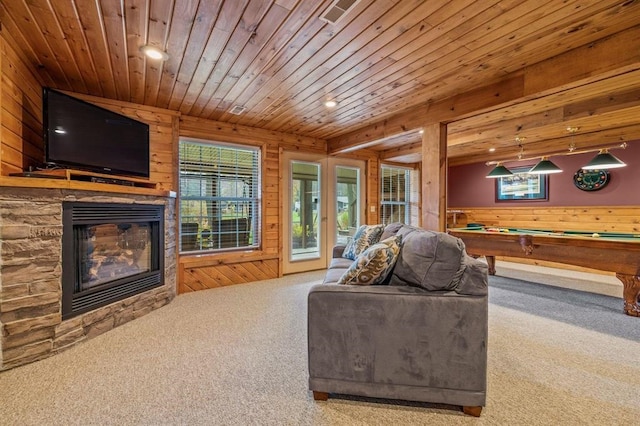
(83, 136)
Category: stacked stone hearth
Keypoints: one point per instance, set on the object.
(31, 325)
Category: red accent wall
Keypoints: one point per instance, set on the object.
(467, 185)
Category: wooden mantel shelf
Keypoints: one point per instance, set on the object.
(66, 182)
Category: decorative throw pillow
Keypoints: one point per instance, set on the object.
(374, 264)
(364, 237)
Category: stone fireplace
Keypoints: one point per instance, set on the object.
(121, 265)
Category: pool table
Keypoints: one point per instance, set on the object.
(606, 251)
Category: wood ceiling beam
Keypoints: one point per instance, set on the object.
(475, 135)
(604, 95)
(603, 127)
(398, 137)
(466, 154)
(602, 59)
(412, 119)
(618, 111)
(411, 149)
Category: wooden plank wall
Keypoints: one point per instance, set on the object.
(373, 190)
(592, 218)
(415, 196)
(22, 140)
(199, 272)
(21, 112)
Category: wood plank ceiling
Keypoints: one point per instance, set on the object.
(278, 60)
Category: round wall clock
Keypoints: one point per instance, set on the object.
(591, 180)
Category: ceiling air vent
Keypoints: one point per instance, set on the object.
(338, 10)
(237, 110)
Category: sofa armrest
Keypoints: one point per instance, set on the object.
(399, 336)
(474, 280)
(338, 250)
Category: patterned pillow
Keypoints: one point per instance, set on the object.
(374, 264)
(364, 237)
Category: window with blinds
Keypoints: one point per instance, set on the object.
(395, 203)
(219, 196)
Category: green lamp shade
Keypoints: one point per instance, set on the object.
(604, 160)
(544, 167)
(499, 171)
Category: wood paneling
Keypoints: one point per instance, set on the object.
(199, 128)
(593, 219)
(21, 113)
(373, 190)
(214, 270)
(1, 103)
(226, 269)
(21, 120)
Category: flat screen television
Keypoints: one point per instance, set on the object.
(83, 136)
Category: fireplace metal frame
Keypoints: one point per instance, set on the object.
(76, 214)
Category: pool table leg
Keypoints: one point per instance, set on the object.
(491, 263)
(631, 294)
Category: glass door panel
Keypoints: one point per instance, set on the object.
(304, 214)
(323, 205)
(346, 199)
(347, 203)
(305, 219)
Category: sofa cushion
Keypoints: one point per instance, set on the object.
(431, 260)
(340, 263)
(365, 236)
(475, 279)
(391, 229)
(338, 250)
(374, 264)
(333, 275)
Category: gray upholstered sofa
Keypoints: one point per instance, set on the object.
(420, 337)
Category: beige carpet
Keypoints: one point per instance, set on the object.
(237, 356)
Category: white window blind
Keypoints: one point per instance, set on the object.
(395, 195)
(219, 196)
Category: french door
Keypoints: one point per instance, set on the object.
(323, 206)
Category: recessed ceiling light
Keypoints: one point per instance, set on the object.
(154, 52)
(330, 104)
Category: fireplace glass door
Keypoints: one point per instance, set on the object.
(110, 251)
